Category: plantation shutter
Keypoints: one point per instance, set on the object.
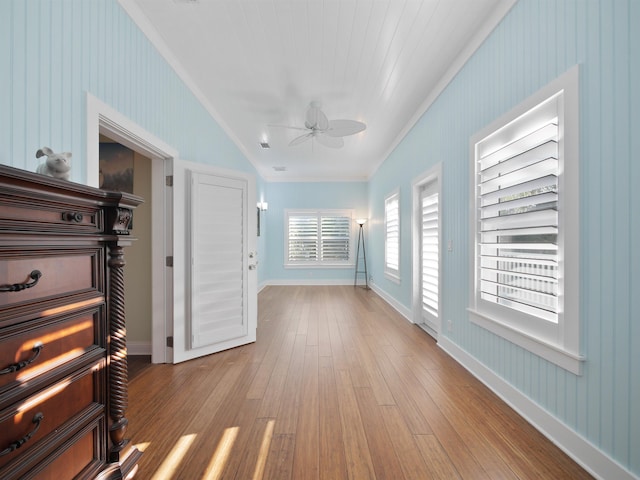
(430, 251)
(303, 238)
(334, 239)
(318, 237)
(518, 244)
(392, 233)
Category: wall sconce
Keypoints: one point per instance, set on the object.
(263, 206)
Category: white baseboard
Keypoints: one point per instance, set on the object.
(401, 309)
(307, 281)
(138, 348)
(592, 459)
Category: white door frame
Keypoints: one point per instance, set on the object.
(434, 174)
(101, 118)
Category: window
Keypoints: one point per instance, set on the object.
(318, 238)
(392, 236)
(525, 225)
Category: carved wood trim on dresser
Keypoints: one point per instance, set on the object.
(63, 353)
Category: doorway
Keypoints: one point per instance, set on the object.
(104, 120)
(125, 170)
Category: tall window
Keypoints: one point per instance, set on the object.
(430, 250)
(392, 236)
(525, 216)
(318, 238)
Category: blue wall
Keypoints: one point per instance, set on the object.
(51, 53)
(316, 195)
(536, 42)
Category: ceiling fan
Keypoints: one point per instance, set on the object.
(327, 132)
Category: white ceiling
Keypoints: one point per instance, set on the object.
(255, 63)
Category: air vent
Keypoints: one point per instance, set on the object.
(265, 145)
(280, 169)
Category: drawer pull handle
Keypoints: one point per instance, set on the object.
(72, 217)
(14, 367)
(37, 418)
(17, 287)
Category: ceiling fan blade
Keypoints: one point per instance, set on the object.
(342, 128)
(300, 139)
(316, 119)
(286, 126)
(332, 142)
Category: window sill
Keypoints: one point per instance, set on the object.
(392, 277)
(552, 353)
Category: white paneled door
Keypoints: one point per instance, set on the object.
(220, 276)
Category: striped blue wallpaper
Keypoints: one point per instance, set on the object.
(536, 42)
(53, 52)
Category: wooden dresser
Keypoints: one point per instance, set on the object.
(63, 357)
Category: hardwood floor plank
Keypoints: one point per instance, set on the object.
(279, 464)
(404, 444)
(439, 465)
(287, 416)
(333, 465)
(338, 386)
(386, 462)
(357, 454)
(306, 459)
(416, 421)
(273, 393)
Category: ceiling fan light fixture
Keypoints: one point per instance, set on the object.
(327, 132)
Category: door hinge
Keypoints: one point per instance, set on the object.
(170, 342)
(170, 261)
(169, 180)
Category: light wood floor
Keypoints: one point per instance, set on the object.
(337, 386)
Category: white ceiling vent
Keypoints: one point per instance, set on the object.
(280, 169)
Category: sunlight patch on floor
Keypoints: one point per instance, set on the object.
(219, 459)
(142, 446)
(264, 450)
(167, 470)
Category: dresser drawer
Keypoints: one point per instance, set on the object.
(46, 412)
(33, 214)
(79, 457)
(62, 272)
(30, 350)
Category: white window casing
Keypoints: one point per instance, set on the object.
(525, 225)
(392, 236)
(318, 238)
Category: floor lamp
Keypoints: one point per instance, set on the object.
(361, 222)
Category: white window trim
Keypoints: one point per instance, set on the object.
(563, 347)
(392, 273)
(319, 264)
